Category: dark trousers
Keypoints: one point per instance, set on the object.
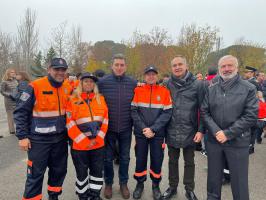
(226, 171)
(41, 156)
(253, 132)
(88, 185)
(237, 158)
(189, 168)
(124, 143)
(259, 130)
(142, 146)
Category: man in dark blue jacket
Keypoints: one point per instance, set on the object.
(118, 90)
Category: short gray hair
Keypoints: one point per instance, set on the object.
(179, 56)
(119, 56)
(228, 57)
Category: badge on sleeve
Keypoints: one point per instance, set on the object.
(68, 114)
(24, 96)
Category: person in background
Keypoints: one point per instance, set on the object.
(9, 91)
(199, 76)
(151, 110)
(118, 91)
(99, 73)
(23, 79)
(250, 76)
(261, 118)
(87, 123)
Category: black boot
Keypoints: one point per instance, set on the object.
(95, 198)
(191, 195)
(251, 149)
(138, 190)
(156, 192)
(53, 197)
(169, 193)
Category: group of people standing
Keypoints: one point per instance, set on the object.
(98, 113)
(12, 85)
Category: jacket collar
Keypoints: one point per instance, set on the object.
(118, 78)
(53, 82)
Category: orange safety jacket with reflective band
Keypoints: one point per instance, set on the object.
(48, 115)
(79, 114)
(151, 107)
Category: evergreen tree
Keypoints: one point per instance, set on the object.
(50, 55)
(38, 59)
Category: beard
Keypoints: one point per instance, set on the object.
(228, 76)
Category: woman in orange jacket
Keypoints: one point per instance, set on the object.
(87, 123)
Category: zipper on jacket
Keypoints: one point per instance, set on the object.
(150, 104)
(90, 110)
(59, 106)
(119, 97)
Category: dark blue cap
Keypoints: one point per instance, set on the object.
(58, 63)
(251, 69)
(89, 75)
(150, 68)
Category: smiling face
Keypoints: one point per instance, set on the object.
(119, 67)
(151, 77)
(58, 74)
(12, 74)
(179, 67)
(87, 85)
(228, 67)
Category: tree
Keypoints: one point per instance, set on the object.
(28, 36)
(197, 43)
(38, 59)
(5, 51)
(249, 53)
(59, 39)
(50, 55)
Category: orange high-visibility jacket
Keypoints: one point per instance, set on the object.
(80, 113)
(48, 116)
(151, 107)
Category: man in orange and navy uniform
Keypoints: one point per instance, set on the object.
(41, 130)
(87, 123)
(151, 109)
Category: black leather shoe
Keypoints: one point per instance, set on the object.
(156, 192)
(251, 149)
(138, 191)
(191, 195)
(169, 193)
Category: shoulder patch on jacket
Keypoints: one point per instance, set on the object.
(24, 96)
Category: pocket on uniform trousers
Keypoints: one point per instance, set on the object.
(30, 168)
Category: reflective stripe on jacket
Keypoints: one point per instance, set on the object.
(48, 115)
(151, 107)
(79, 115)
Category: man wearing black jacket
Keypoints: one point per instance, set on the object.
(183, 129)
(229, 110)
(118, 91)
(250, 76)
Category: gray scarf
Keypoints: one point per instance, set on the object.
(226, 85)
(180, 81)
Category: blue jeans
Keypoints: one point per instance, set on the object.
(124, 142)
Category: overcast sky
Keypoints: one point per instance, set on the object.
(117, 19)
